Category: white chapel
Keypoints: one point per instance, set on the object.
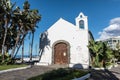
(66, 44)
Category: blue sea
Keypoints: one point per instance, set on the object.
(25, 56)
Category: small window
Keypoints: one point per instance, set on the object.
(81, 23)
(118, 41)
(114, 41)
(80, 16)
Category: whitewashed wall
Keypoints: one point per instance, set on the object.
(77, 38)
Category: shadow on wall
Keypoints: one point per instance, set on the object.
(44, 42)
(78, 66)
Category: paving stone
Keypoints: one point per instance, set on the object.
(112, 74)
(24, 74)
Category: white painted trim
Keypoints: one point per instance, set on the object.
(41, 64)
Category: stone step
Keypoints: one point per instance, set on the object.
(56, 66)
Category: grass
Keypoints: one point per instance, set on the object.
(61, 74)
(5, 67)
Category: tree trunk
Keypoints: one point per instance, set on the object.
(97, 59)
(4, 39)
(20, 45)
(29, 49)
(31, 46)
(13, 50)
(22, 50)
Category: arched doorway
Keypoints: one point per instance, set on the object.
(61, 53)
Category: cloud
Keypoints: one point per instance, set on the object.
(113, 30)
(115, 21)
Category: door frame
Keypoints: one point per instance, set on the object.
(68, 49)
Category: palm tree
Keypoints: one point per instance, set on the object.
(15, 25)
(101, 53)
(32, 45)
(22, 50)
(109, 55)
(26, 21)
(117, 52)
(118, 46)
(96, 49)
(5, 21)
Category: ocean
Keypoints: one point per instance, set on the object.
(26, 56)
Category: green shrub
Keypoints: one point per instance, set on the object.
(60, 74)
(7, 59)
(108, 64)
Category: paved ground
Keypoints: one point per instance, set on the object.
(24, 74)
(113, 74)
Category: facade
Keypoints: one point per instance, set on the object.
(113, 42)
(66, 44)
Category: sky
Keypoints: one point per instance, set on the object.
(103, 15)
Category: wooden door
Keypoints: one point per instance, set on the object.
(60, 53)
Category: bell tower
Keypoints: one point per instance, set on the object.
(82, 21)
